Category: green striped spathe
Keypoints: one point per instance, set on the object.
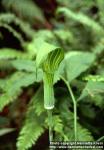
(51, 65)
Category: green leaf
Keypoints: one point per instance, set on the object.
(92, 88)
(22, 64)
(76, 63)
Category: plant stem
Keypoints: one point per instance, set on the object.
(49, 100)
(75, 111)
(75, 107)
(50, 125)
(101, 138)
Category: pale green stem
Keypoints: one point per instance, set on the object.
(50, 125)
(75, 107)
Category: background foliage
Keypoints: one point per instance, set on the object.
(78, 28)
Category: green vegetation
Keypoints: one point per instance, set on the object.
(56, 63)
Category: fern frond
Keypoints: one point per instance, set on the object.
(6, 98)
(14, 32)
(84, 134)
(28, 14)
(67, 118)
(8, 18)
(8, 53)
(99, 47)
(2, 83)
(13, 87)
(29, 135)
(36, 104)
(34, 124)
(5, 65)
(81, 18)
(82, 5)
(57, 123)
(100, 4)
(92, 88)
(95, 78)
